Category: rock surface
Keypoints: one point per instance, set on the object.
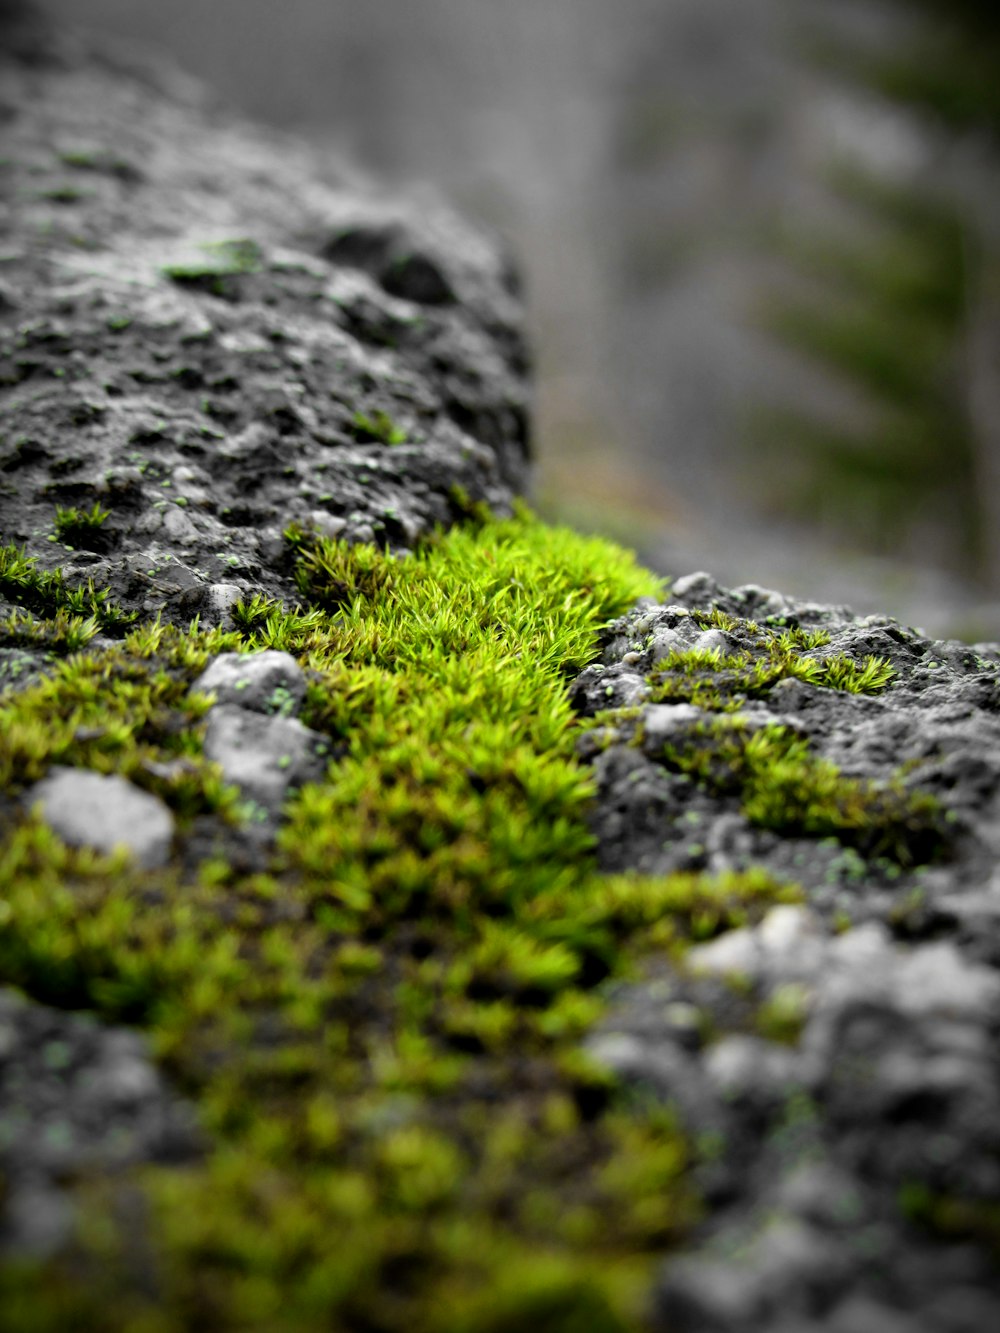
(104, 812)
(263, 756)
(75, 1098)
(844, 1052)
(209, 333)
(267, 682)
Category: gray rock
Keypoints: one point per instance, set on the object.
(264, 756)
(661, 723)
(846, 1048)
(862, 1314)
(215, 603)
(787, 1270)
(265, 682)
(75, 1096)
(257, 337)
(104, 813)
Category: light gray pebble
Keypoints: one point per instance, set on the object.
(104, 813)
(216, 604)
(263, 756)
(264, 682)
(662, 722)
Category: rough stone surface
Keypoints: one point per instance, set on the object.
(842, 1054)
(211, 332)
(264, 756)
(75, 1097)
(104, 812)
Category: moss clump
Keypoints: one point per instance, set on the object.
(46, 593)
(380, 1023)
(378, 428)
(722, 682)
(782, 785)
(83, 527)
(220, 267)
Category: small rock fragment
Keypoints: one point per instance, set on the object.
(263, 756)
(102, 812)
(266, 682)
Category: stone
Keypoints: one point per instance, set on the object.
(105, 813)
(213, 604)
(662, 722)
(75, 1096)
(264, 756)
(393, 338)
(846, 1045)
(264, 682)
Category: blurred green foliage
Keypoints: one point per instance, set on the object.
(885, 307)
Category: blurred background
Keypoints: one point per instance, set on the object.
(762, 244)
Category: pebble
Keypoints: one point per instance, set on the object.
(263, 756)
(265, 682)
(104, 813)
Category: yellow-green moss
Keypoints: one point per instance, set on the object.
(783, 785)
(381, 1029)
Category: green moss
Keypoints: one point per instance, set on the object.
(223, 264)
(81, 527)
(379, 428)
(722, 682)
(46, 592)
(381, 1028)
(782, 785)
(951, 1218)
(783, 1014)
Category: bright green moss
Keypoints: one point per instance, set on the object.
(721, 682)
(379, 428)
(73, 523)
(782, 785)
(381, 1028)
(45, 591)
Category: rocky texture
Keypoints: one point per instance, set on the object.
(202, 343)
(208, 333)
(267, 682)
(841, 1057)
(104, 812)
(75, 1098)
(251, 733)
(263, 756)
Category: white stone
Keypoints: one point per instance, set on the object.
(263, 756)
(89, 809)
(660, 722)
(712, 641)
(665, 642)
(265, 682)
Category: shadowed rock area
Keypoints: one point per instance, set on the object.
(842, 1053)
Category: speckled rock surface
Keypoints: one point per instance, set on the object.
(210, 332)
(840, 1060)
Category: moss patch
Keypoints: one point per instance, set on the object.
(784, 786)
(381, 1024)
